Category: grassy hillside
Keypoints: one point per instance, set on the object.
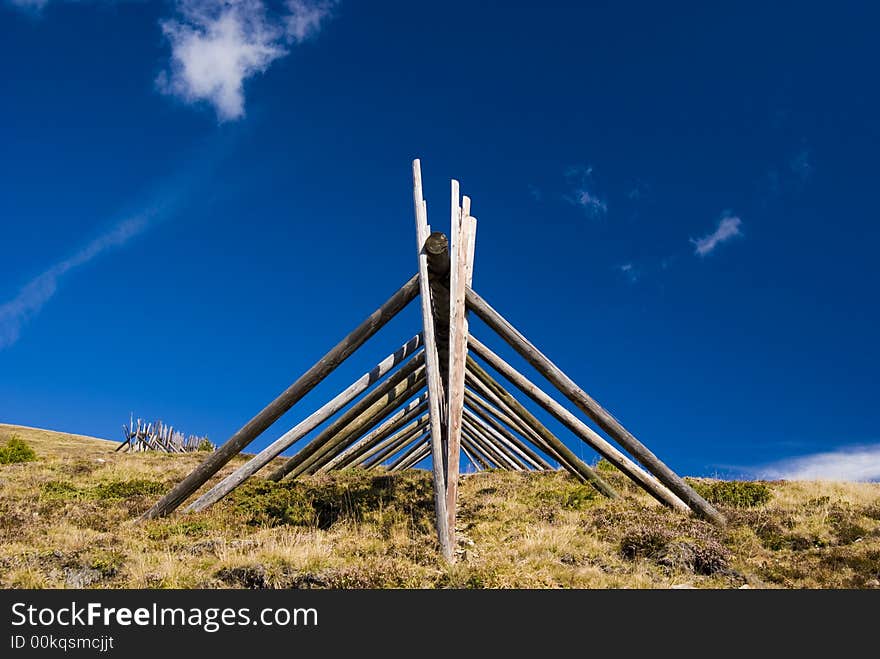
(66, 521)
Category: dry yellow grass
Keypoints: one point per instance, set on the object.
(66, 520)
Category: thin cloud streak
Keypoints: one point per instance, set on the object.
(860, 463)
(728, 227)
(164, 201)
(34, 295)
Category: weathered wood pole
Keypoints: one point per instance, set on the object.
(478, 410)
(581, 430)
(591, 408)
(394, 423)
(499, 447)
(403, 438)
(413, 446)
(358, 418)
(305, 426)
(501, 438)
(272, 412)
(435, 385)
(458, 331)
(415, 457)
(470, 456)
(568, 459)
(481, 462)
(382, 445)
(503, 412)
(490, 450)
(368, 420)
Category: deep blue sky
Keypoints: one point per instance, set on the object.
(599, 141)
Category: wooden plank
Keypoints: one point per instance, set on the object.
(396, 421)
(579, 429)
(272, 412)
(457, 354)
(362, 422)
(477, 409)
(422, 451)
(481, 460)
(591, 408)
(566, 457)
(500, 410)
(435, 390)
(504, 436)
(414, 364)
(489, 450)
(400, 440)
(464, 449)
(305, 426)
(499, 447)
(405, 451)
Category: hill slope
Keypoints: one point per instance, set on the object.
(66, 521)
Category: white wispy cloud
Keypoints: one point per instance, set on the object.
(582, 194)
(629, 271)
(216, 45)
(728, 227)
(858, 463)
(39, 290)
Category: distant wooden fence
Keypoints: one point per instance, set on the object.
(156, 436)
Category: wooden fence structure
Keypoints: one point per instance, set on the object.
(156, 436)
(432, 398)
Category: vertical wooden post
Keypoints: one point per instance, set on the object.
(433, 366)
(458, 251)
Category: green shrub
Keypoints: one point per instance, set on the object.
(736, 494)
(104, 491)
(126, 489)
(16, 450)
(205, 445)
(352, 495)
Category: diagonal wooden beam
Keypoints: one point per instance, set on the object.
(507, 439)
(305, 426)
(502, 411)
(400, 440)
(481, 460)
(476, 407)
(435, 389)
(591, 408)
(489, 450)
(581, 430)
(394, 423)
(568, 459)
(384, 444)
(272, 412)
(470, 456)
(365, 421)
(500, 447)
(422, 451)
(377, 394)
(406, 452)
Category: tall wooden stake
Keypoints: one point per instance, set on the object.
(433, 367)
